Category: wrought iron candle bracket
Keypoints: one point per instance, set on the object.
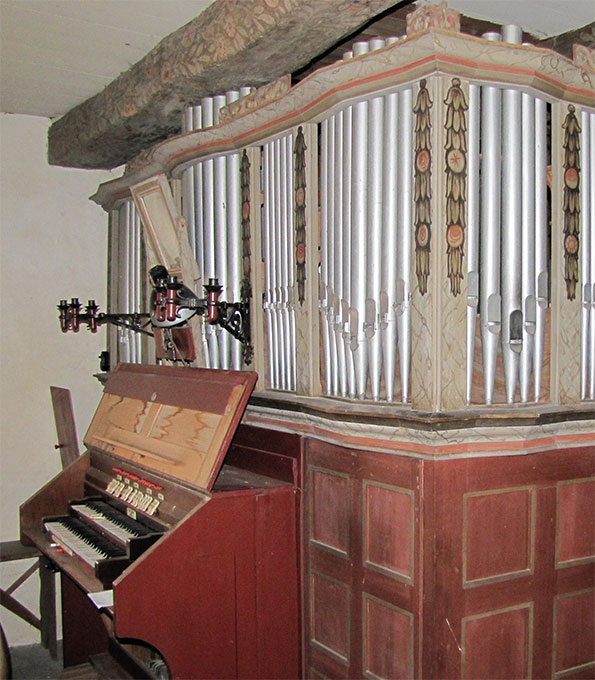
(173, 304)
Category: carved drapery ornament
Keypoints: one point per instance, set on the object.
(246, 288)
(456, 182)
(300, 212)
(572, 200)
(422, 187)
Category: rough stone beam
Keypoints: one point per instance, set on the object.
(232, 43)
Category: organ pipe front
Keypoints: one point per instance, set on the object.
(416, 230)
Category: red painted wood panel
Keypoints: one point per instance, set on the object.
(502, 518)
(574, 644)
(498, 644)
(329, 509)
(388, 640)
(388, 520)
(576, 520)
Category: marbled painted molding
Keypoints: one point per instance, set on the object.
(398, 432)
(263, 95)
(455, 167)
(422, 192)
(572, 200)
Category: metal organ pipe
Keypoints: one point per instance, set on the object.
(491, 113)
(359, 197)
(234, 237)
(338, 295)
(346, 233)
(587, 231)
(528, 242)
(390, 243)
(541, 270)
(404, 222)
(472, 229)
(375, 148)
(591, 162)
(511, 239)
(585, 254)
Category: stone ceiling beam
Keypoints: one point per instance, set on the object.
(231, 44)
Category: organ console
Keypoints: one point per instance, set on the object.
(191, 559)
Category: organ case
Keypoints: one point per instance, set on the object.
(215, 591)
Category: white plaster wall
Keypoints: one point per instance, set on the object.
(53, 244)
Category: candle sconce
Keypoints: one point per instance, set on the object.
(173, 304)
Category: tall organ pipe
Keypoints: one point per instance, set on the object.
(208, 218)
(511, 239)
(528, 242)
(541, 273)
(390, 245)
(330, 259)
(592, 244)
(489, 304)
(404, 223)
(346, 232)
(234, 236)
(490, 235)
(511, 229)
(220, 232)
(267, 223)
(359, 227)
(374, 232)
(324, 244)
(586, 264)
(339, 254)
(472, 229)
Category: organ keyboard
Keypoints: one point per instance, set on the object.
(194, 550)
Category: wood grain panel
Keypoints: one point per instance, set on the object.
(329, 509)
(498, 644)
(388, 522)
(498, 535)
(330, 616)
(575, 522)
(388, 640)
(574, 632)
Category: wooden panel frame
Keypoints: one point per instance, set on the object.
(496, 612)
(392, 573)
(467, 583)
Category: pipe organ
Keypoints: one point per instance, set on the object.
(414, 228)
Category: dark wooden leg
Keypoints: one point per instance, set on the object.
(47, 606)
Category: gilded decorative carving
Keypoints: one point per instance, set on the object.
(572, 198)
(300, 212)
(456, 182)
(422, 187)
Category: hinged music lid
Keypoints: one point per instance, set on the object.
(170, 420)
